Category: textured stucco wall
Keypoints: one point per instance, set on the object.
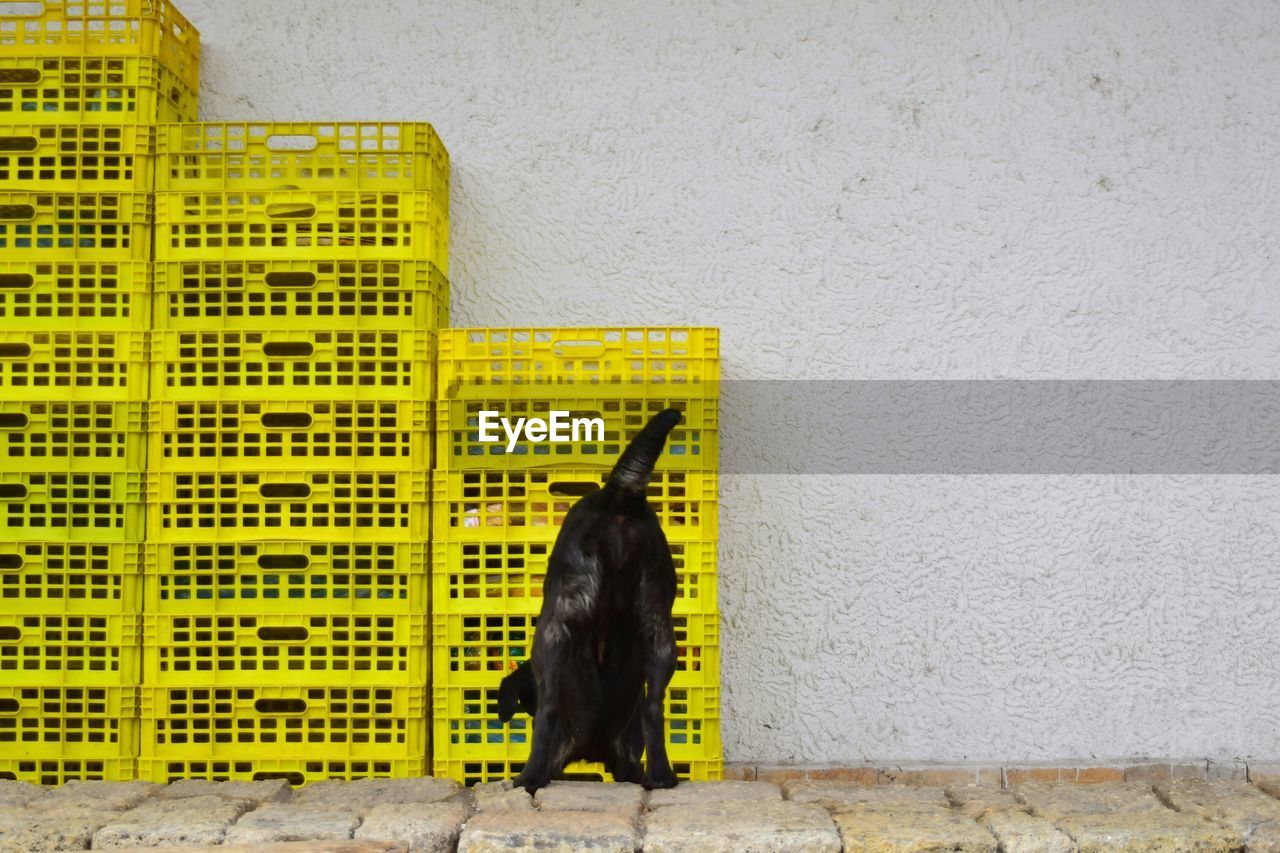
(884, 190)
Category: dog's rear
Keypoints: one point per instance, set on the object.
(604, 649)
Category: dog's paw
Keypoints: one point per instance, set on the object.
(530, 783)
(660, 779)
(634, 775)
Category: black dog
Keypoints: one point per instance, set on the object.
(604, 649)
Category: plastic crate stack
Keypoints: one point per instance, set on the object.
(495, 516)
(82, 85)
(300, 278)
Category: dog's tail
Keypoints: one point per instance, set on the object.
(635, 465)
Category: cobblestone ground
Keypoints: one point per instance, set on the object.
(1011, 813)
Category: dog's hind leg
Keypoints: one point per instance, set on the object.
(552, 744)
(549, 755)
(660, 665)
(626, 750)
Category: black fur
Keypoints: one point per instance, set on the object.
(604, 650)
(517, 692)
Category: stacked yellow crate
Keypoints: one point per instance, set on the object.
(496, 513)
(300, 277)
(81, 88)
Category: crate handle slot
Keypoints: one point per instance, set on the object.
(291, 210)
(283, 635)
(13, 76)
(16, 281)
(571, 489)
(287, 420)
(294, 778)
(280, 706)
(21, 9)
(13, 491)
(17, 212)
(11, 561)
(578, 349)
(284, 490)
(13, 421)
(18, 143)
(283, 561)
(289, 349)
(10, 634)
(299, 279)
(292, 142)
(15, 350)
(9, 707)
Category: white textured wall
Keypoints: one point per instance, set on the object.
(881, 190)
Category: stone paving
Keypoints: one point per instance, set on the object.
(1166, 812)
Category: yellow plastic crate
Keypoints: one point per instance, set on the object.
(58, 226)
(291, 365)
(91, 90)
(54, 365)
(76, 650)
(302, 435)
(58, 771)
(236, 506)
(692, 445)
(507, 575)
(343, 723)
(84, 295)
(151, 29)
(300, 295)
(298, 771)
(304, 155)
(295, 225)
(471, 746)
(477, 506)
(39, 436)
(680, 362)
(280, 649)
(495, 575)
(77, 157)
(87, 723)
(477, 650)
(70, 577)
(75, 506)
(286, 577)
